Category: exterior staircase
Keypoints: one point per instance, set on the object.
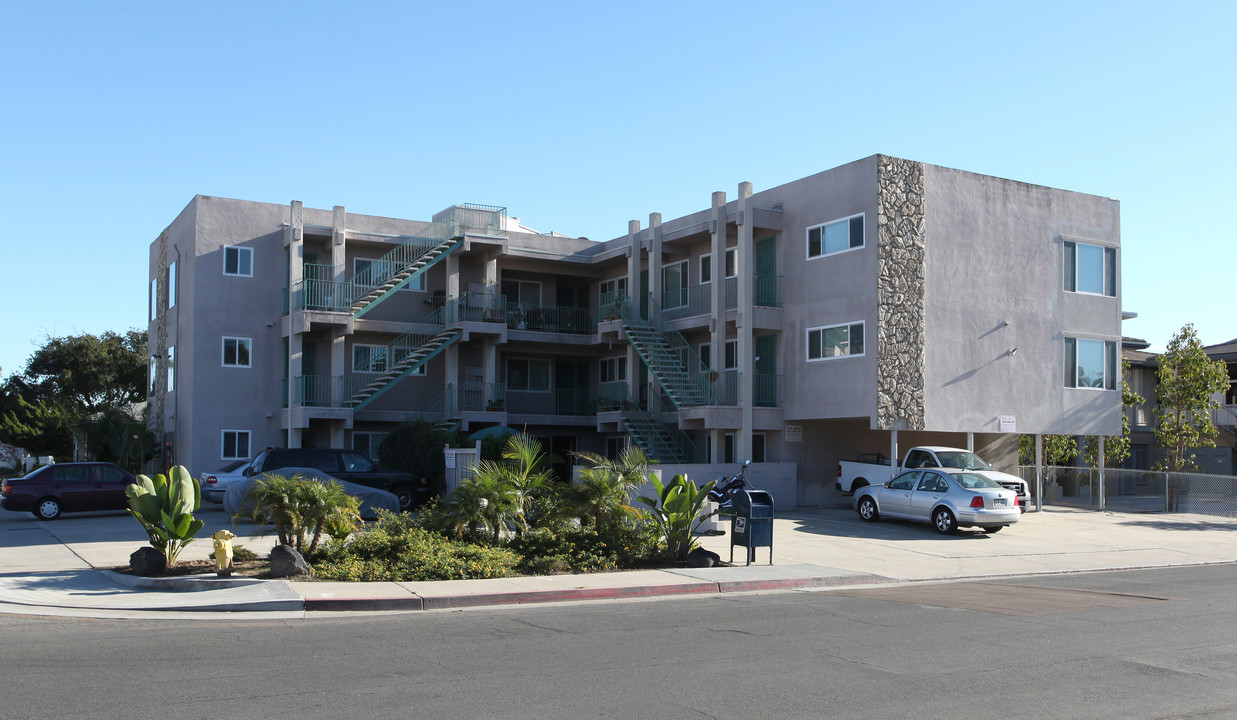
(658, 441)
(393, 271)
(405, 354)
(669, 358)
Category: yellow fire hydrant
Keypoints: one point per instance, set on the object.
(223, 552)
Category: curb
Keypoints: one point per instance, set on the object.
(186, 583)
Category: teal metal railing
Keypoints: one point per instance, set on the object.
(546, 318)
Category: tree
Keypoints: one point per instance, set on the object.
(604, 492)
(86, 374)
(1187, 380)
(1058, 449)
(1116, 448)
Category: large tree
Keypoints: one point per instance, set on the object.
(87, 373)
(1116, 448)
(1187, 381)
(68, 382)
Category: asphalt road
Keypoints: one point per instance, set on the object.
(1132, 644)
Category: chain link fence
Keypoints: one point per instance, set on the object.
(1135, 490)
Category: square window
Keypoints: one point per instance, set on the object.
(835, 341)
(238, 261)
(835, 237)
(528, 375)
(1090, 364)
(613, 369)
(237, 351)
(235, 445)
(1090, 269)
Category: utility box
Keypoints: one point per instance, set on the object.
(751, 525)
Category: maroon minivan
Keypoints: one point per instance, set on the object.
(67, 487)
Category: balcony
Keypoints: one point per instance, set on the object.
(545, 318)
(698, 299)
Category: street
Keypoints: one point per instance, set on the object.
(1133, 644)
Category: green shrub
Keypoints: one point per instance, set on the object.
(581, 550)
(396, 550)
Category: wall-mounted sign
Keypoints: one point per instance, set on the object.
(792, 433)
(1009, 424)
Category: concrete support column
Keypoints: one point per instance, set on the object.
(296, 274)
(635, 291)
(894, 459)
(1100, 490)
(453, 276)
(451, 375)
(339, 259)
(717, 291)
(656, 288)
(743, 323)
(1039, 472)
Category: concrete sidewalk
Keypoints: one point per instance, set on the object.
(54, 568)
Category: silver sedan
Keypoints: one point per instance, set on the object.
(945, 499)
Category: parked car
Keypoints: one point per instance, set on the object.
(946, 498)
(372, 499)
(215, 484)
(874, 467)
(67, 487)
(347, 465)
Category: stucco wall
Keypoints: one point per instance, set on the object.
(994, 262)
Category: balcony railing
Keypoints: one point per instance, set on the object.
(481, 396)
(545, 318)
(561, 401)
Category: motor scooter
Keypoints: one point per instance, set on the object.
(725, 488)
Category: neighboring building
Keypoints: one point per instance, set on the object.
(1144, 451)
(881, 303)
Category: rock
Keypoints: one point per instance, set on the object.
(701, 558)
(147, 561)
(287, 562)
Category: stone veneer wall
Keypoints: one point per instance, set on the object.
(900, 295)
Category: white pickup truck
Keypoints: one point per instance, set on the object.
(854, 474)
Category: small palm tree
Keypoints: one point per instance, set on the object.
(483, 502)
(525, 473)
(300, 509)
(604, 491)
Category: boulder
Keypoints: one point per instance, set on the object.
(701, 558)
(147, 561)
(287, 562)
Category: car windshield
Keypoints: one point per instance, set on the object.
(962, 460)
(971, 481)
(233, 466)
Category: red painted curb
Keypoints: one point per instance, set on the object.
(462, 601)
(411, 602)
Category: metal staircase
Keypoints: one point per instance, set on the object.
(405, 355)
(393, 271)
(676, 367)
(658, 441)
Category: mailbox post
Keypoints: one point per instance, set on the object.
(751, 526)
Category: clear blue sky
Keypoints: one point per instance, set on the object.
(580, 116)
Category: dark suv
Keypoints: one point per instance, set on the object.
(68, 487)
(348, 465)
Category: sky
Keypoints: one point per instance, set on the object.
(578, 117)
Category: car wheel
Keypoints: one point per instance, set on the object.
(994, 528)
(47, 509)
(406, 497)
(867, 509)
(944, 521)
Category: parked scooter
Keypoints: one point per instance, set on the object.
(724, 489)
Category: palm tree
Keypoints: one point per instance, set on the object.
(298, 507)
(604, 491)
(525, 472)
(484, 500)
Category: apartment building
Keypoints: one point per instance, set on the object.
(882, 303)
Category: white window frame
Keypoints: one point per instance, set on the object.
(375, 364)
(612, 369)
(241, 251)
(154, 299)
(863, 240)
(1107, 269)
(823, 328)
(223, 356)
(171, 368)
(613, 285)
(416, 284)
(531, 362)
(375, 439)
(172, 285)
(1109, 361)
(520, 283)
(223, 444)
